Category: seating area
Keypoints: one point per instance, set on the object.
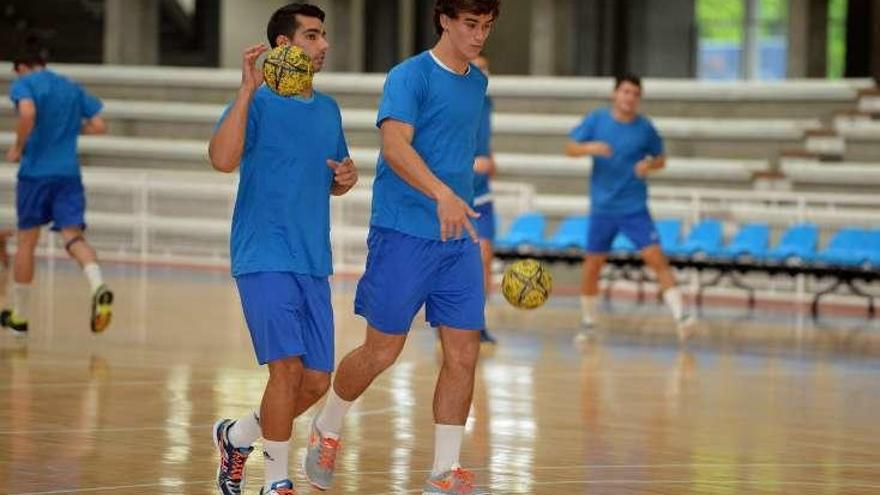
(851, 255)
(753, 180)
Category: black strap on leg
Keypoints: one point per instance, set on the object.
(73, 241)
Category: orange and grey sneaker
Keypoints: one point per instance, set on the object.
(17, 326)
(456, 481)
(320, 460)
(102, 309)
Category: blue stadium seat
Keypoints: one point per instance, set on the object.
(751, 240)
(848, 246)
(874, 247)
(526, 230)
(798, 242)
(705, 237)
(670, 233)
(572, 233)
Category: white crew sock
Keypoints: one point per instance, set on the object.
(330, 418)
(447, 446)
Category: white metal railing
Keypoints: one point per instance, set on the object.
(184, 216)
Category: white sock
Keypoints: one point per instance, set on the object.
(589, 305)
(21, 301)
(245, 431)
(330, 418)
(447, 446)
(672, 298)
(275, 460)
(93, 273)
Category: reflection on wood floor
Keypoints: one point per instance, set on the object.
(130, 412)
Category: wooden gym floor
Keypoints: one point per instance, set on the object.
(129, 412)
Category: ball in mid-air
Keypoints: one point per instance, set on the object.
(526, 284)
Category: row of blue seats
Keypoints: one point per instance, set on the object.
(850, 246)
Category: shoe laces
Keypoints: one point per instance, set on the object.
(328, 450)
(237, 465)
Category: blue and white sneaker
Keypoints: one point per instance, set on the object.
(230, 473)
(283, 487)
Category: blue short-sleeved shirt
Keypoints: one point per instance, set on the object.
(484, 148)
(614, 186)
(281, 221)
(444, 109)
(61, 104)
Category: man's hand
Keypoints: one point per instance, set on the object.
(13, 154)
(484, 165)
(455, 216)
(251, 75)
(345, 175)
(645, 167)
(599, 148)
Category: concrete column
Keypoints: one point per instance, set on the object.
(749, 54)
(406, 14)
(807, 38)
(542, 51)
(355, 42)
(661, 38)
(131, 32)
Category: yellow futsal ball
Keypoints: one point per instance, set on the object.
(526, 284)
(287, 70)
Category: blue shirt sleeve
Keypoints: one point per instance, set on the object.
(585, 131)
(655, 142)
(20, 90)
(91, 105)
(484, 132)
(402, 96)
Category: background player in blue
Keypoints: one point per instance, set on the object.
(625, 148)
(293, 157)
(52, 112)
(484, 169)
(4, 262)
(428, 116)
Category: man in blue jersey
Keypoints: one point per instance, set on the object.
(293, 158)
(484, 169)
(626, 148)
(52, 112)
(422, 245)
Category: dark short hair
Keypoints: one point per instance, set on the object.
(283, 21)
(29, 58)
(627, 78)
(452, 9)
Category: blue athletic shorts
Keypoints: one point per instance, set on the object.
(404, 272)
(60, 200)
(485, 225)
(638, 227)
(288, 315)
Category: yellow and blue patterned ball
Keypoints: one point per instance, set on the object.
(287, 70)
(526, 284)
